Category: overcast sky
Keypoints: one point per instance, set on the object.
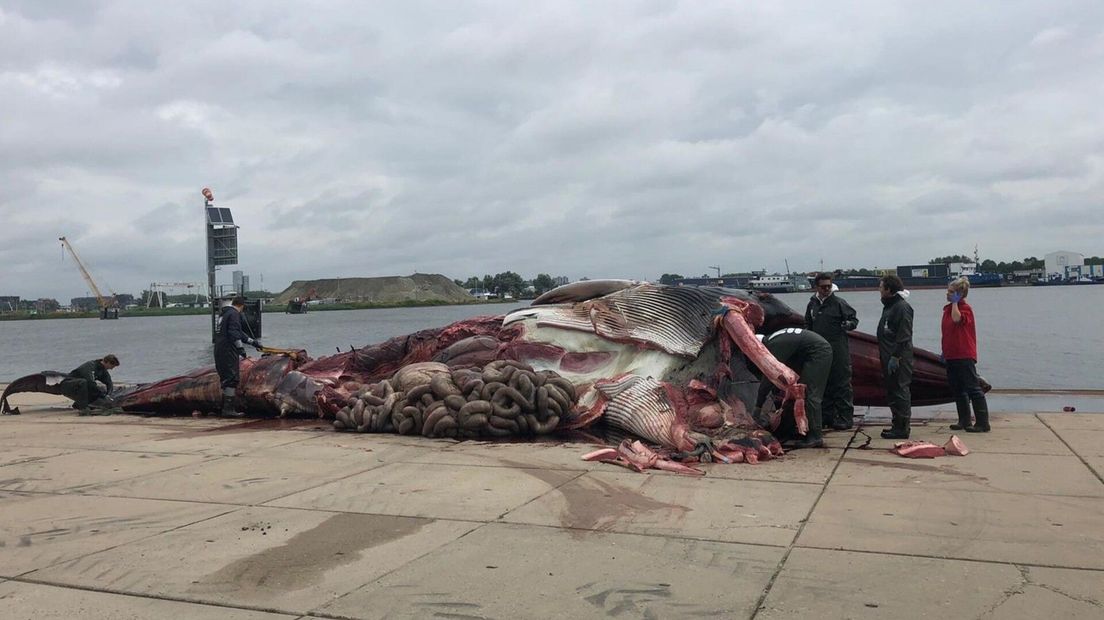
(597, 139)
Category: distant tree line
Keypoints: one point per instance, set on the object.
(512, 283)
(991, 266)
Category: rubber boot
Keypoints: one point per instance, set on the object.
(229, 405)
(962, 403)
(804, 442)
(981, 413)
(899, 430)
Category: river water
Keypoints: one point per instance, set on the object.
(1028, 337)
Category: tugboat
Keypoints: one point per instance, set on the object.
(298, 305)
(981, 279)
(789, 283)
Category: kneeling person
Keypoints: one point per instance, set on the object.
(810, 356)
(81, 385)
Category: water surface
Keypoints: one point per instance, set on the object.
(1028, 337)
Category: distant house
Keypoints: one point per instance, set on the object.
(481, 293)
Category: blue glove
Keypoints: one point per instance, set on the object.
(893, 366)
(956, 297)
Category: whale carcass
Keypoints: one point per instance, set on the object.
(676, 367)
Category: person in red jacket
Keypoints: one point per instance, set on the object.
(960, 353)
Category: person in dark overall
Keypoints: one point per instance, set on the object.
(960, 354)
(830, 316)
(895, 353)
(230, 344)
(80, 385)
(810, 356)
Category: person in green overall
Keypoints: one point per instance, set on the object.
(80, 385)
(895, 353)
(810, 356)
(830, 316)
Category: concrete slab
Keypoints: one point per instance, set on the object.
(28, 601)
(1084, 442)
(360, 450)
(840, 584)
(977, 471)
(812, 466)
(999, 527)
(282, 559)
(219, 440)
(538, 454)
(838, 439)
(706, 508)
(1056, 593)
(75, 471)
(1014, 440)
(245, 479)
(943, 419)
(88, 436)
(370, 440)
(19, 455)
(1097, 464)
(1086, 421)
(39, 530)
(434, 491)
(563, 575)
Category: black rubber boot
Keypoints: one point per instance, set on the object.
(229, 405)
(842, 425)
(804, 442)
(981, 413)
(962, 404)
(899, 430)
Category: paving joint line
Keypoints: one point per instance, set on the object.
(317, 610)
(1070, 448)
(759, 604)
(988, 491)
(953, 559)
(158, 597)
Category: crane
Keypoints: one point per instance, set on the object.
(109, 307)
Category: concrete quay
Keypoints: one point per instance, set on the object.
(143, 517)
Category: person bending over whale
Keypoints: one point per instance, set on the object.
(809, 355)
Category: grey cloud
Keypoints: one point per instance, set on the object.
(583, 139)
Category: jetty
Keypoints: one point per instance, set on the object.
(131, 516)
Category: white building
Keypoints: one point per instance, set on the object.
(1058, 264)
(961, 269)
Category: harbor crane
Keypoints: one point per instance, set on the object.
(109, 306)
(157, 290)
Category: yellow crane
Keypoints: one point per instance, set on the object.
(109, 306)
